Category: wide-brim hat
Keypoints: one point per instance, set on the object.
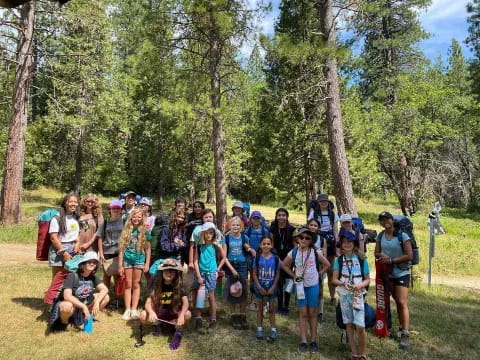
(89, 255)
(207, 226)
(146, 200)
(345, 218)
(256, 213)
(322, 197)
(347, 235)
(238, 286)
(302, 230)
(170, 264)
(237, 204)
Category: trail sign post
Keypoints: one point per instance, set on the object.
(435, 228)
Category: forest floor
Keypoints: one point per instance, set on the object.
(444, 317)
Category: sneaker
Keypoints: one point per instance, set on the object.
(134, 314)
(126, 315)
(404, 341)
(243, 321)
(314, 347)
(321, 319)
(302, 348)
(273, 335)
(199, 326)
(260, 334)
(235, 319)
(212, 326)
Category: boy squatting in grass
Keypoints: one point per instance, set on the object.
(306, 277)
(168, 301)
(351, 288)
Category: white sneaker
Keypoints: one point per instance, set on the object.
(134, 314)
(127, 314)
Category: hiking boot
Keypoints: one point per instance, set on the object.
(273, 335)
(212, 326)
(314, 347)
(321, 318)
(199, 326)
(302, 348)
(235, 319)
(404, 341)
(260, 334)
(243, 321)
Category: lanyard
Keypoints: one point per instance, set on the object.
(304, 263)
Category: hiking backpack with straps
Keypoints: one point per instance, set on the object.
(403, 224)
(317, 261)
(257, 262)
(43, 237)
(244, 241)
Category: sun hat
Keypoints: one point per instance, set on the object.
(256, 213)
(347, 235)
(322, 197)
(385, 215)
(146, 200)
(115, 204)
(170, 264)
(130, 193)
(89, 255)
(304, 230)
(237, 204)
(234, 290)
(207, 226)
(345, 218)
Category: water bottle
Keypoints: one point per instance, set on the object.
(88, 325)
(201, 293)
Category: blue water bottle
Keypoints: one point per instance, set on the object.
(88, 325)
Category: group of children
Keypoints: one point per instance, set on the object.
(270, 263)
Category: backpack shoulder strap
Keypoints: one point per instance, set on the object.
(277, 263)
(340, 265)
(362, 263)
(380, 239)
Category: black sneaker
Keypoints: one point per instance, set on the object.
(199, 326)
(314, 347)
(302, 348)
(212, 326)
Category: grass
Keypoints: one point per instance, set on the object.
(443, 325)
(453, 335)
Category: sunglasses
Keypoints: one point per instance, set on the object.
(303, 237)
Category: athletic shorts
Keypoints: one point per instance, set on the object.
(57, 260)
(266, 297)
(349, 314)
(209, 279)
(401, 281)
(128, 265)
(311, 297)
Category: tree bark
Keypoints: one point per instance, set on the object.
(218, 141)
(78, 162)
(11, 198)
(336, 145)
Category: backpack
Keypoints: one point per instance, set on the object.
(246, 208)
(43, 238)
(265, 232)
(317, 261)
(403, 224)
(331, 215)
(369, 316)
(257, 261)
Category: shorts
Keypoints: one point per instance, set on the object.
(209, 279)
(166, 314)
(401, 281)
(128, 265)
(57, 260)
(264, 298)
(240, 267)
(349, 314)
(311, 297)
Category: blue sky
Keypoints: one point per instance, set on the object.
(443, 20)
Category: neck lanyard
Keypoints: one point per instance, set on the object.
(304, 263)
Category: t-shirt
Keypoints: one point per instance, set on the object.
(255, 235)
(393, 248)
(73, 229)
(324, 219)
(207, 261)
(306, 266)
(235, 248)
(82, 287)
(266, 270)
(167, 296)
(132, 245)
(350, 272)
(150, 223)
(88, 229)
(110, 235)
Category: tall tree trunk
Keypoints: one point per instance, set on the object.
(338, 158)
(78, 162)
(209, 194)
(218, 141)
(11, 198)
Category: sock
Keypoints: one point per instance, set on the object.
(322, 301)
(404, 331)
(177, 339)
(259, 328)
(213, 318)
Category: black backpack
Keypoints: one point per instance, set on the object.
(403, 224)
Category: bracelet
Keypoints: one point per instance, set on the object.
(391, 260)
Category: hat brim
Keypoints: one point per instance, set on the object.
(226, 290)
(302, 231)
